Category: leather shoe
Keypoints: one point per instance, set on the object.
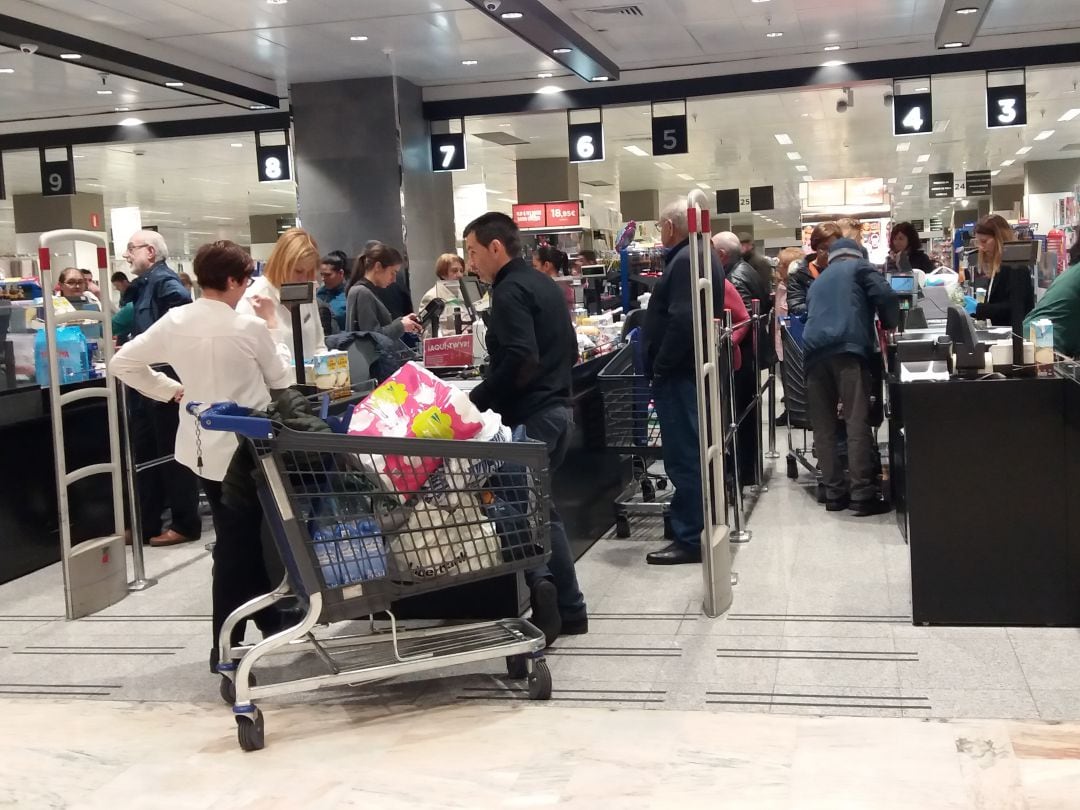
(869, 508)
(839, 505)
(674, 554)
(545, 610)
(575, 627)
(170, 538)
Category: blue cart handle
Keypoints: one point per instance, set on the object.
(231, 418)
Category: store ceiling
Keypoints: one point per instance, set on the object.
(733, 143)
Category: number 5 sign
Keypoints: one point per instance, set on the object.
(57, 176)
(669, 135)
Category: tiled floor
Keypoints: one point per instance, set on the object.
(820, 627)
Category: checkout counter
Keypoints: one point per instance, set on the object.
(984, 469)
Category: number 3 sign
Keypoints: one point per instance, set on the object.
(1006, 106)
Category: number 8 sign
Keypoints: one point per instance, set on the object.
(273, 163)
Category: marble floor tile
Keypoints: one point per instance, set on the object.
(1057, 704)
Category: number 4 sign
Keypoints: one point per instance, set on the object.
(913, 114)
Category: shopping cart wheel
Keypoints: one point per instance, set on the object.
(622, 526)
(517, 667)
(661, 483)
(540, 681)
(250, 732)
(648, 491)
(792, 468)
(227, 688)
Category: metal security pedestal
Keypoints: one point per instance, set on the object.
(715, 549)
(95, 573)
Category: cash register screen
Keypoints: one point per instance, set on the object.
(903, 284)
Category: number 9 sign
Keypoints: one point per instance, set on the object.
(57, 177)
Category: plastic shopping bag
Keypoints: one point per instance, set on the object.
(438, 543)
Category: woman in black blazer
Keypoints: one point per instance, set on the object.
(1011, 292)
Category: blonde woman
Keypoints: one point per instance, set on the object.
(1010, 293)
(294, 259)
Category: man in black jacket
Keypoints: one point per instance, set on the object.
(670, 364)
(840, 342)
(756, 260)
(532, 349)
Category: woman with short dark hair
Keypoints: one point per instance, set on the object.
(905, 251)
(219, 355)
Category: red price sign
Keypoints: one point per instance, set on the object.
(454, 351)
(529, 216)
(563, 214)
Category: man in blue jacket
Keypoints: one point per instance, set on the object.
(840, 342)
(670, 364)
(157, 289)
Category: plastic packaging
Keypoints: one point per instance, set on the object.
(1042, 336)
(71, 353)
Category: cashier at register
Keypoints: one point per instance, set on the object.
(1009, 285)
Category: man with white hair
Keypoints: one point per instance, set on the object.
(670, 364)
(157, 289)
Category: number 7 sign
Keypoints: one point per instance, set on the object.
(448, 152)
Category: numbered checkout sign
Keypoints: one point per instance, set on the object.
(448, 152)
(586, 142)
(57, 176)
(1006, 106)
(669, 135)
(273, 163)
(913, 114)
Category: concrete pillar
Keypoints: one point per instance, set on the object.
(35, 214)
(1008, 198)
(643, 205)
(1045, 182)
(363, 171)
(547, 180)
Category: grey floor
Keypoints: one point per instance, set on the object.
(821, 624)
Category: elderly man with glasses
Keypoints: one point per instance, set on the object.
(157, 289)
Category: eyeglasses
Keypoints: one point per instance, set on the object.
(659, 225)
(74, 282)
(249, 280)
(133, 248)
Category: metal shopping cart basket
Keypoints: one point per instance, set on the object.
(362, 522)
(796, 401)
(632, 429)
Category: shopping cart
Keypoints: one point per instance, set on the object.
(796, 401)
(632, 429)
(362, 522)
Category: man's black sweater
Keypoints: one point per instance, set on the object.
(531, 345)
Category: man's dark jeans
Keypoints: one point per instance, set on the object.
(554, 427)
(843, 378)
(675, 400)
(153, 426)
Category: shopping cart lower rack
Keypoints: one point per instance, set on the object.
(362, 522)
(631, 428)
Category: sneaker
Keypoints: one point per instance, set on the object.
(545, 610)
(868, 508)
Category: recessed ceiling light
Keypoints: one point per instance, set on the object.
(505, 126)
(904, 193)
(1008, 162)
(967, 10)
(71, 56)
(995, 172)
(891, 181)
(941, 126)
(636, 150)
(832, 47)
(954, 45)
(808, 178)
(702, 185)
(686, 177)
(174, 84)
(586, 195)
(506, 199)
(833, 63)
(1046, 133)
(922, 158)
(806, 115)
(544, 75)
(104, 92)
(759, 1)
(794, 156)
(121, 109)
(7, 70)
(1070, 115)
(549, 89)
(601, 78)
(236, 145)
(921, 90)
(908, 187)
(260, 107)
(468, 62)
(359, 38)
(665, 166)
(512, 15)
(801, 169)
(774, 34)
(903, 146)
(130, 122)
(917, 170)
(277, 2)
(493, 191)
(783, 139)
(1023, 150)
(562, 50)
